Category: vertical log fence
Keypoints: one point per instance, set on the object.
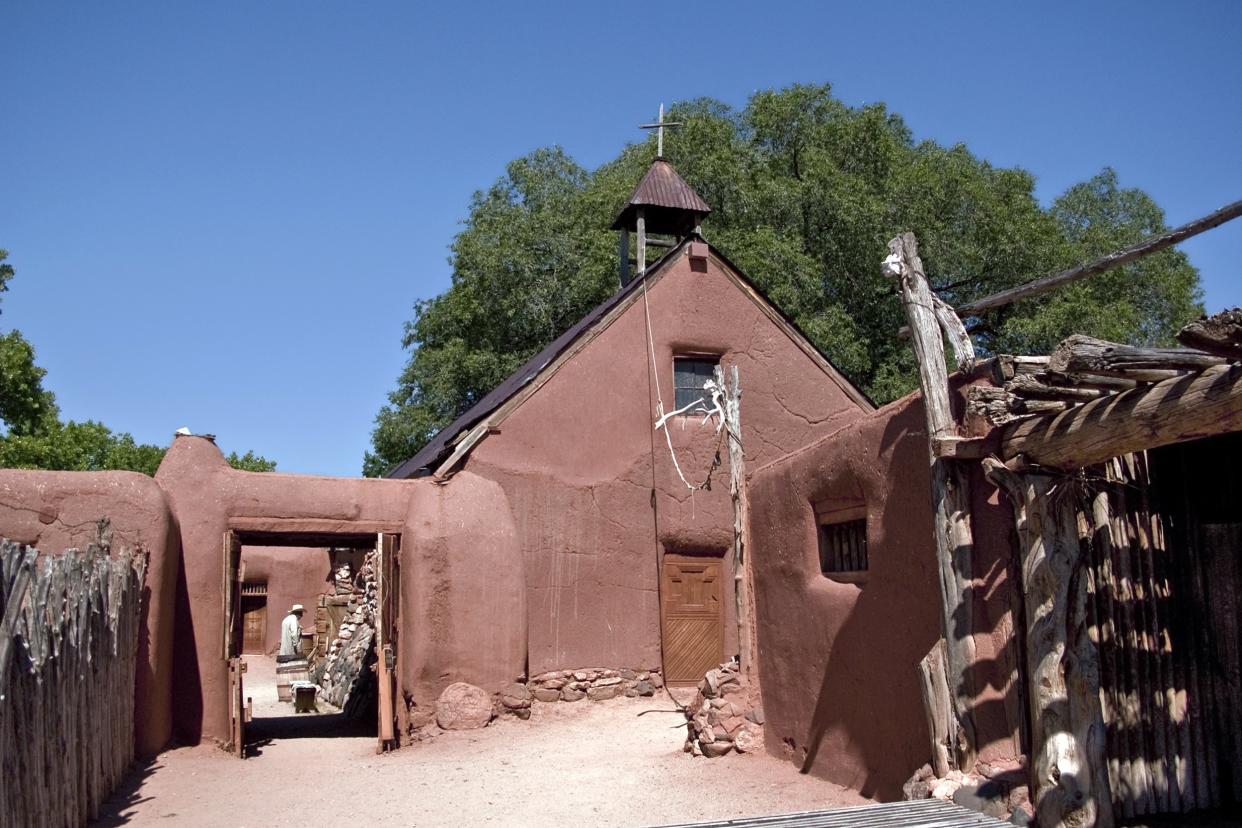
(68, 649)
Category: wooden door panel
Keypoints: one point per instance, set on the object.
(254, 627)
(693, 618)
(385, 639)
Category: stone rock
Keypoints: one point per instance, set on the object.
(755, 714)
(733, 723)
(554, 684)
(645, 688)
(582, 675)
(631, 692)
(718, 703)
(721, 734)
(628, 674)
(657, 679)
(608, 681)
(547, 694)
(945, 788)
(569, 694)
(602, 693)
(696, 748)
(522, 713)
(988, 798)
(748, 739)
(714, 749)
(609, 673)
(463, 706)
(515, 696)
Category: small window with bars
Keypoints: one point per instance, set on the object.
(254, 589)
(689, 375)
(843, 548)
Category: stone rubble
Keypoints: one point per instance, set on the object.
(1000, 793)
(725, 715)
(345, 671)
(517, 699)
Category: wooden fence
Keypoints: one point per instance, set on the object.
(68, 646)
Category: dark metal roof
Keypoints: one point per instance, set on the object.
(662, 187)
(431, 453)
(923, 813)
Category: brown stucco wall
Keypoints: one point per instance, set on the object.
(593, 511)
(294, 575)
(838, 661)
(54, 511)
(465, 590)
(462, 606)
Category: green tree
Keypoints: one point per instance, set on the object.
(806, 192)
(34, 437)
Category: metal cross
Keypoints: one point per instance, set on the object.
(659, 126)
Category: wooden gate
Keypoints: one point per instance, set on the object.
(692, 617)
(230, 594)
(386, 605)
(254, 624)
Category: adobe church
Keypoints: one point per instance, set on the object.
(551, 527)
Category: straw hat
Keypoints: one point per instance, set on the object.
(297, 608)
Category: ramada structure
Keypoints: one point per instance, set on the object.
(994, 577)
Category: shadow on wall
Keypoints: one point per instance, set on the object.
(840, 660)
(187, 684)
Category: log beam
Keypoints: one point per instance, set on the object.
(1182, 408)
(1146, 247)
(1085, 355)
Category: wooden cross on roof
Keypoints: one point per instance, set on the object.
(659, 126)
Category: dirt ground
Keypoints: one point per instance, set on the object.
(581, 763)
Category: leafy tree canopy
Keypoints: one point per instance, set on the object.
(34, 436)
(806, 192)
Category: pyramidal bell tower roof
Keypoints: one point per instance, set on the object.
(667, 193)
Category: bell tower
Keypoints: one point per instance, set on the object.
(662, 211)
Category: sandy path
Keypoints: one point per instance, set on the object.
(583, 763)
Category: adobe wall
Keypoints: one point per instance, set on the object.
(54, 511)
(838, 660)
(593, 513)
(208, 498)
(294, 575)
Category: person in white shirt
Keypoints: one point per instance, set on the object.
(291, 634)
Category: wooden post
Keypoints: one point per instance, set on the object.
(950, 494)
(641, 251)
(742, 579)
(1069, 780)
(623, 253)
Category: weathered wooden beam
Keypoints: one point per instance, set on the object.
(1146, 247)
(1183, 408)
(963, 448)
(950, 494)
(1220, 334)
(1080, 354)
(1069, 787)
(1032, 386)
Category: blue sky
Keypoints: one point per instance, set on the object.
(221, 214)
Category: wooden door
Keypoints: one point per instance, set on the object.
(254, 625)
(386, 604)
(692, 617)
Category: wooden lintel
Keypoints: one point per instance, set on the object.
(1175, 410)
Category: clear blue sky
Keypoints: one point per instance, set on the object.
(222, 213)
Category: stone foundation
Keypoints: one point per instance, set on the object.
(724, 716)
(594, 683)
(517, 699)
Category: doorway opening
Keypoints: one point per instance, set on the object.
(310, 628)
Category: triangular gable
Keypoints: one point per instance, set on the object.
(455, 441)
